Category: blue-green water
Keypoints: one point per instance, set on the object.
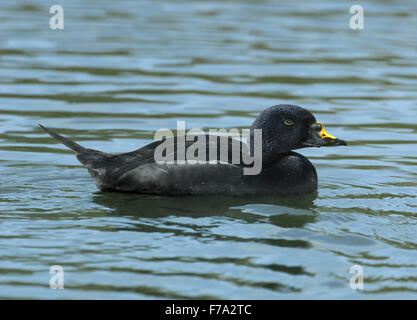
(121, 70)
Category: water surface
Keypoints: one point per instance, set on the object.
(121, 70)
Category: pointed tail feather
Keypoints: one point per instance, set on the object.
(99, 164)
(69, 143)
(90, 158)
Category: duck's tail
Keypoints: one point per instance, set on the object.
(92, 159)
(69, 143)
(98, 163)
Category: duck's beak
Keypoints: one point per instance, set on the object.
(318, 137)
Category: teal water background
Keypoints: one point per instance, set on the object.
(120, 70)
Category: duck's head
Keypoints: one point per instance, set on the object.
(287, 127)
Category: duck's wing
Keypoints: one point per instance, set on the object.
(211, 148)
(214, 150)
(216, 173)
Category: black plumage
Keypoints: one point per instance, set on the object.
(284, 172)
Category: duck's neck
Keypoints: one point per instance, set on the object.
(268, 151)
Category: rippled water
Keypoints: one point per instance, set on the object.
(121, 70)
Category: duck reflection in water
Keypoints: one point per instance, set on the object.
(288, 212)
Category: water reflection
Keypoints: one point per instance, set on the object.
(149, 206)
(256, 216)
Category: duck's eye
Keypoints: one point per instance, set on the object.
(289, 122)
